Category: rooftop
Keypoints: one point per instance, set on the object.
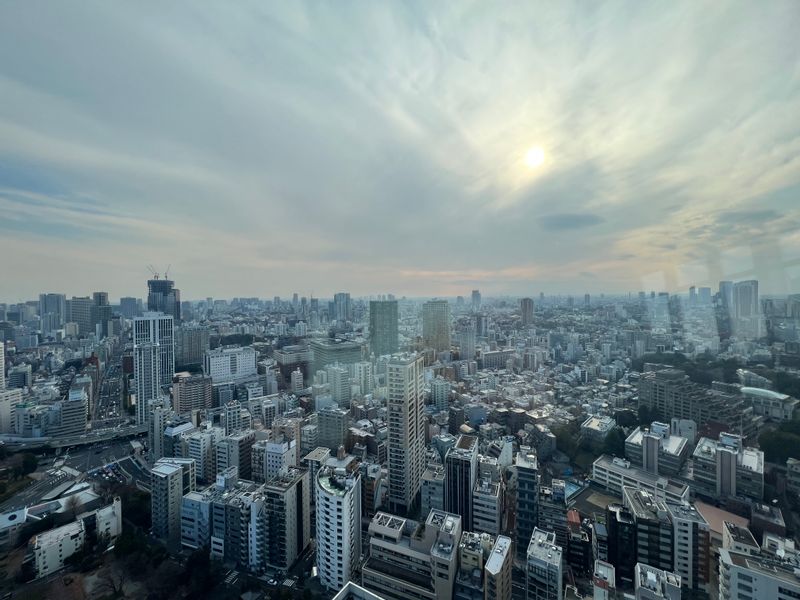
(740, 535)
(502, 546)
(543, 547)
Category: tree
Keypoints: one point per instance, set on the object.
(111, 582)
(29, 463)
(614, 443)
(626, 418)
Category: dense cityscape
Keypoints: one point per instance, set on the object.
(644, 445)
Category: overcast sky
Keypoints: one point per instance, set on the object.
(262, 148)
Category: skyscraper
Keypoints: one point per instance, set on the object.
(383, 337)
(526, 311)
(79, 310)
(53, 304)
(342, 307)
(153, 359)
(163, 297)
(527, 497)
(406, 439)
(745, 299)
(436, 325)
(476, 300)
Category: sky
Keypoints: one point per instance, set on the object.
(264, 148)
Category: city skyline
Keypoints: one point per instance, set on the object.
(425, 151)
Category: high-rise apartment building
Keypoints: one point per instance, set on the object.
(406, 429)
(440, 393)
(332, 425)
(527, 515)
(338, 502)
(691, 556)
(153, 359)
(191, 392)
(383, 334)
(436, 325)
(166, 494)
(408, 559)
(284, 520)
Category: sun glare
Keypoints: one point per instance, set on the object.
(534, 157)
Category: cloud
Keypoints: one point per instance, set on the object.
(265, 149)
(562, 221)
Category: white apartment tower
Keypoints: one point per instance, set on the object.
(153, 359)
(406, 439)
(338, 500)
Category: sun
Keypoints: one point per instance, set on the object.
(534, 157)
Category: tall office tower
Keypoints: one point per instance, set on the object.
(285, 519)
(587, 300)
(338, 501)
(191, 343)
(406, 430)
(363, 377)
(621, 541)
(651, 583)
(440, 393)
(526, 311)
(383, 336)
(692, 549)
(129, 307)
(412, 560)
(101, 314)
(342, 307)
(461, 470)
(56, 305)
(726, 295)
(692, 296)
(166, 494)
(482, 325)
(100, 298)
(153, 359)
(543, 568)
(436, 325)
(704, 296)
(654, 529)
(333, 423)
(745, 299)
(527, 497)
(476, 300)
(163, 297)
(2, 365)
(340, 386)
(79, 310)
(191, 392)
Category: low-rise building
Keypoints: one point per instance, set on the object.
(614, 473)
(726, 468)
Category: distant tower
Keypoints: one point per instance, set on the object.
(436, 325)
(406, 439)
(383, 336)
(526, 311)
(476, 300)
(163, 297)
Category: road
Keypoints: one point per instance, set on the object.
(107, 410)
